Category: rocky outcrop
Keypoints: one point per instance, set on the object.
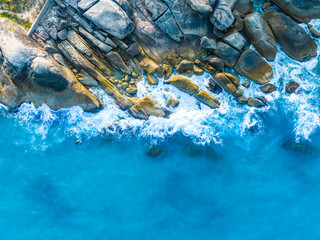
(38, 75)
(292, 38)
(301, 10)
(112, 44)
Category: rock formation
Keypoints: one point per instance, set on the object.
(78, 44)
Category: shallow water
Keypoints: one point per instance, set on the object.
(232, 173)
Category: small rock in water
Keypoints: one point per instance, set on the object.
(214, 87)
(242, 100)
(246, 84)
(263, 99)
(268, 88)
(301, 148)
(314, 32)
(172, 102)
(292, 87)
(253, 102)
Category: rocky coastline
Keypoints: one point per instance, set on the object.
(112, 44)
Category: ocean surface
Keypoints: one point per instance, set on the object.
(232, 173)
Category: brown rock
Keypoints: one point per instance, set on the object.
(225, 80)
(184, 66)
(168, 71)
(172, 102)
(149, 66)
(147, 107)
(292, 87)
(184, 84)
(254, 67)
(242, 100)
(268, 88)
(207, 99)
(253, 102)
(152, 80)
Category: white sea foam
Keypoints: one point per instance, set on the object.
(192, 118)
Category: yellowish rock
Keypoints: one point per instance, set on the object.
(207, 99)
(184, 84)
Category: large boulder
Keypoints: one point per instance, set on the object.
(253, 66)
(184, 84)
(301, 10)
(222, 17)
(260, 34)
(38, 75)
(228, 54)
(293, 39)
(105, 14)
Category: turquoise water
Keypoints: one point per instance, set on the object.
(232, 173)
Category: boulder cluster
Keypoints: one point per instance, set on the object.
(76, 44)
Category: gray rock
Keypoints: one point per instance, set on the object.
(84, 5)
(133, 50)
(96, 42)
(314, 32)
(63, 25)
(261, 36)
(201, 6)
(169, 26)
(105, 14)
(222, 17)
(208, 43)
(228, 54)
(235, 39)
(244, 6)
(156, 8)
(62, 35)
(53, 34)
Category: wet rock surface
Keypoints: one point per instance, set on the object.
(112, 44)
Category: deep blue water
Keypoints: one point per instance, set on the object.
(232, 173)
